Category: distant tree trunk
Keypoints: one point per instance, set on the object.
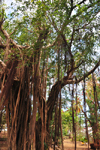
(59, 117)
(87, 136)
(74, 125)
(56, 123)
(56, 119)
(61, 122)
(95, 124)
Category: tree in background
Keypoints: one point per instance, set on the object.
(93, 94)
(67, 122)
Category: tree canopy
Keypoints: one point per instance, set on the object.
(44, 46)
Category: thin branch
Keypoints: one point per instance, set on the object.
(2, 63)
(14, 43)
(88, 73)
(13, 31)
(75, 67)
(5, 33)
(72, 37)
(71, 5)
(19, 46)
(1, 39)
(69, 50)
(69, 80)
(79, 3)
(67, 21)
(85, 25)
(2, 17)
(49, 45)
(86, 117)
(66, 44)
(52, 22)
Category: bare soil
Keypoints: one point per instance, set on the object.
(68, 144)
(3, 141)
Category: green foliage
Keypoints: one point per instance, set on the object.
(83, 139)
(3, 119)
(90, 95)
(45, 146)
(66, 121)
(91, 100)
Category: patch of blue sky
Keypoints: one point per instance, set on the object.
(14, 6)
(8, 4)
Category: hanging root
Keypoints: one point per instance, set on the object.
(5, 93)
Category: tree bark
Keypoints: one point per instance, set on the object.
(87, 135)
(20, 109)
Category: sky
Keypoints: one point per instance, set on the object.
(8, 2)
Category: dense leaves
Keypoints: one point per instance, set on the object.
(51, 41)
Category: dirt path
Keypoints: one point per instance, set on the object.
(69, 145)
(3, 141)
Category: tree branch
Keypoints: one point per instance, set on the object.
(79, 3)
(66, 81)
(11, 41)
(71, 5)
(2, 64)
(72, 37)
(75, 67)
(55, 89)
(49, 45)
(88, 73)
(67, 21)
(1, 17)
(1, 40)
(86, 117)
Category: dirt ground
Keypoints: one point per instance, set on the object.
(3, 141)
(68, 144)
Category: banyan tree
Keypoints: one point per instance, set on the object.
(44, 46)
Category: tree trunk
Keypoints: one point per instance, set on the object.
(73, 115)
(87, 135)
(20, 110)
